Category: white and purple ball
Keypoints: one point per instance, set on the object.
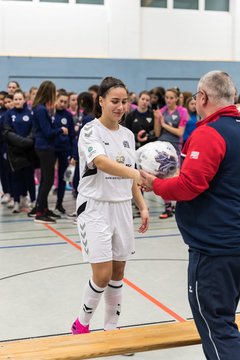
(158, 158)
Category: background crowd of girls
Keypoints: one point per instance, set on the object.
(39, 131)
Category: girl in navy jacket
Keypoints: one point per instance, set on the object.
(18, 136)
(63, 144)
(45, 133)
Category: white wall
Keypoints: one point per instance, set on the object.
(49, 29)
(236, 30)
(119, 29)
(181, 34)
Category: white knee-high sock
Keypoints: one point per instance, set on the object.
(91, 297)
(113, 301)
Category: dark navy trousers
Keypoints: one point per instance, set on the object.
(213, 293)
(47, 162)
(62, 157)
(5, 175)
(23, 182)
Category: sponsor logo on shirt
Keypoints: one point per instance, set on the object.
(13, 118)
(91, 151)
(126, 144)
(194, 155)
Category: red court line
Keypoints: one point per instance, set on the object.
(154, 301)
(126, 281)
(63, 237)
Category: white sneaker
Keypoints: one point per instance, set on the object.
(72, 215)
(24, 202)
(5, 198)
(16, 208)
(31, 205)
(10, 204)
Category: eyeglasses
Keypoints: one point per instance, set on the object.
(194, 96)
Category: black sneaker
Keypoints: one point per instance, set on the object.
(44, 219)
(51, 214)
(32, 213)
(61, 209)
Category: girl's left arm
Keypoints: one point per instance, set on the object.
(140, 202)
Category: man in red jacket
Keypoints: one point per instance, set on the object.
(207, 191)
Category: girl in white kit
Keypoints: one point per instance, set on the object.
(108, 182)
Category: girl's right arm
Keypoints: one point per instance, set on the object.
(111, 167)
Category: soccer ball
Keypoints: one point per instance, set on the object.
(158, 158)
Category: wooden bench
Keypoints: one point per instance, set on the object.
(103, 343)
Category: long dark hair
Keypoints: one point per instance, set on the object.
(85, 102)
(108, 83)
(45, 94)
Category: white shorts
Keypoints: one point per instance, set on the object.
(106, 230)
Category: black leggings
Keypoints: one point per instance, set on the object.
(47, 162)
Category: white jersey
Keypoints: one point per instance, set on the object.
(119, 145)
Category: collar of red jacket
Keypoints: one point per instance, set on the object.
(230, 110)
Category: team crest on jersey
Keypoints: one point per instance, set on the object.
(126, 144)
(149, 119)
(64, 121)
(120, 159)
(25, 118)
(13, 118)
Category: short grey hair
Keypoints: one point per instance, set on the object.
(219, 86)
